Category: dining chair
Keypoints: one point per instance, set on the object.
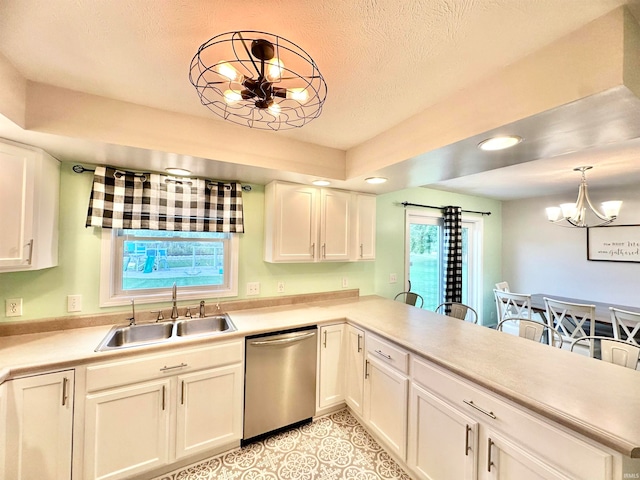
(503, 286)
(410, 298)
(626, 325)
(510, 304)
(614, 351)
(533, 330)
(458, 310)
(571, 320)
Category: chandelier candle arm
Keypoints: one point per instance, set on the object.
(575, 214)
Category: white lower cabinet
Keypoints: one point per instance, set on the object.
(386, 390)
(354, 369)
(331, 366)
(443, 441)
(39, 412)
(146, 412)
(456, 428)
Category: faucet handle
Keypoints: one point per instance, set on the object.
(187, 314)
(160, 315)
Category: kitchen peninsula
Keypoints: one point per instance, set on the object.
(515, 397)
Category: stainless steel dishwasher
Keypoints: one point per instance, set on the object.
(280, 380)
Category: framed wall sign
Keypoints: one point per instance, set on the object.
(620, 243)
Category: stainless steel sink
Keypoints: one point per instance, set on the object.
(133, 335)
(124, 336)
(206, 325)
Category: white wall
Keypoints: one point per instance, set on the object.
(540, 257)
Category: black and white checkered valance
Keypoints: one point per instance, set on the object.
(150, 201)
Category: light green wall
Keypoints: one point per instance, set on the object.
(44, 292)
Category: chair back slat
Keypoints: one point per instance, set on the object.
(533, 330)
(614, 351)
(458, 310)
(511, 304)
(626, 325)
(571, 320)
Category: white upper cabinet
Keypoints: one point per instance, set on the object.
(29, 192)
(364, 236)
(308, 224)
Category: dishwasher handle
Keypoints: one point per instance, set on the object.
(280, 341)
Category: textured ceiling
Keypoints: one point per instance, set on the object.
(383, 60)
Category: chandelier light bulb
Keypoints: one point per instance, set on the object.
(228, 71)
(274, 109)
(554, 213)
(299, 94)
(611, 208)
(274, 69)
(232, 96)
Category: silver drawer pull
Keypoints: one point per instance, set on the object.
(281, 341)
(481, 410)
(30, 245)
(382, 354)
(359, 346)
(165, 368)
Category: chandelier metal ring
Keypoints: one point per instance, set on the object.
(258, 80)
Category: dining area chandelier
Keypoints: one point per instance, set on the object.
(258, 80)
(575, 214)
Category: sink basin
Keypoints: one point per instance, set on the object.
(206, 325)
(132, 335)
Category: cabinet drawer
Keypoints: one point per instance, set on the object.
(388, 353)
(149, 367)
(566, 452)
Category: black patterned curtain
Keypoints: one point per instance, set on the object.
(453, 254)
(151, 201)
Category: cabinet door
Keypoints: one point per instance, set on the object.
(331, 378)
(291, 223)
(126, 430)
(16, 205)
(354, 369)
(385, 405)
(334, 225)
(39, 427)
(365, 243)
(443, 441)
(505, 459)
(209, 412)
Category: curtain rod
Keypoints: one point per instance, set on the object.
(81, 169)
(408, 204)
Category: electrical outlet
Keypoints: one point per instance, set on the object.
(393, 278)
(345, 282)
(253, 288)
(13, 307)
(74, 303)
(280, 287)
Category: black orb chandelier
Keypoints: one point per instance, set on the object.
(258, 80)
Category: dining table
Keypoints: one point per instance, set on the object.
(602, 313)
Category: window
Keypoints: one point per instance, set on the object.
(144, 265)
(424, 258)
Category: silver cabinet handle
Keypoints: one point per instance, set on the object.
(366, 369)
(313, 250)
(30, 245)
(65, 395)
(280, 341)
(382, 354)
(164, 388)
(466, 441)
(325, 339)
(361, 250)
(489, 461)
(324, 250)
(165, 368)
(481, 410)
(182, 394)
(359, 346)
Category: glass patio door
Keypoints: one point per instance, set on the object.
(424, 257)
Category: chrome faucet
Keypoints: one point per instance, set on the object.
(202, 314)
(174, 298)
(132, 320)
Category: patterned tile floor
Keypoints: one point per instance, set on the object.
(333, 447)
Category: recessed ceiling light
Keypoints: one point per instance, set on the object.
(321, 183)
(178, 171)
(375, 180)
(499, 143)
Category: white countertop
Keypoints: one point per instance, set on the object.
(594, 398)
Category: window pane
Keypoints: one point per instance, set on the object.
(157, 259)
(424, 261)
